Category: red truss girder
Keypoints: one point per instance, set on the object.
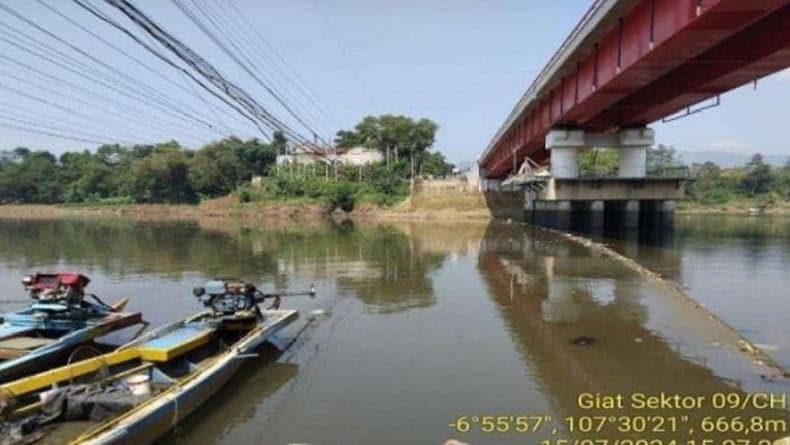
(626, 80)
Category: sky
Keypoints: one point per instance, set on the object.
(461, 63)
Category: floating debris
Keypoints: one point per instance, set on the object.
(319, 313)
(583, 340)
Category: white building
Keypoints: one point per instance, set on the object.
(308, 155)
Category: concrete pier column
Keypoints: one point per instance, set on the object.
(666, 213)
(553, 214)
(564, 146)
(631, 214)
(529, 210)
(634, 143)
(596, 216)
(562, 215)
(633, 162)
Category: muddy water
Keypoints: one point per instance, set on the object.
(737, 266)
(416, 325)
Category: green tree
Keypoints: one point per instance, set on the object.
(709, 186)
(660, 158)
(163, 176)
(396, 136)
(757, 178)
(435, 164)
(85, 177)
(30, 177)
(216, 169)
(598, 162)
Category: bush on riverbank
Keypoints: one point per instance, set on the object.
(757, 184)
(340, 186)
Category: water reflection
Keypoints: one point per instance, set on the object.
(583, 324)
(427, 321)
(381, 265)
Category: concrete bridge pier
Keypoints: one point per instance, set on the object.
(553, 214)
(632, 143)
(628, 201)
(630, 211)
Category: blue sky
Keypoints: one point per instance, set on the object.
(462, 63)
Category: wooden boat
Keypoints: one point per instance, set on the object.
(178, 366)
(44, 334)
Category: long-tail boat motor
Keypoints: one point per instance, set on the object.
(59, 320)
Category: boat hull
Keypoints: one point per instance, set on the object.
(151, 420)
(57, 352)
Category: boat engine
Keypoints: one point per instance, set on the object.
(228, 297)
(60, 287)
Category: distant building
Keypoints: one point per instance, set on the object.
(309, 154)
(359, 156)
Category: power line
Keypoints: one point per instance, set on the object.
(109, 44)
(162, 57)
(206, 70)
(61, 107)
(342, 51)
(154, 95)
(128, 109)
(51, 133)
(51, 90)
(242, 64)
(50, 126)
(87, 72)
(289, 73)
(228, 31)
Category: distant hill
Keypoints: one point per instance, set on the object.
(727, 159)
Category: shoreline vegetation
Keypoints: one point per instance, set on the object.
(383, 168)
(408, 208)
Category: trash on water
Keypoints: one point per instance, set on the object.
(319, 313)
(583, 340)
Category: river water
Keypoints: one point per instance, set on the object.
(418, 324)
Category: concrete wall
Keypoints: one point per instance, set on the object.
(458, 194)
(614, 189)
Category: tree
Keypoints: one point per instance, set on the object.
(85, 177)
(348, 139)
(598, 162)
(256, 157)
(394, 135)
(216, 169)
(30, 177)
(163, 176)
(709, 187)
(758, 177)
(661, 158)
(434, 164)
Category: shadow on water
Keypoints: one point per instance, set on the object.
(239, 402)
(583, 326)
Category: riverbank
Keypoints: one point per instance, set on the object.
(736, 207)
(430, 200)
(225, 208)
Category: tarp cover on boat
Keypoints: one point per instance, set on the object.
(94, 403)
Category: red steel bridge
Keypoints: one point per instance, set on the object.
(631, 62)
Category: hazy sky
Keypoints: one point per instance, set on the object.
(462, 63)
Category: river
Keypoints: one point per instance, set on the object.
(416, 325)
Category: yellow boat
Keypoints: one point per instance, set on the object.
(146, 387)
